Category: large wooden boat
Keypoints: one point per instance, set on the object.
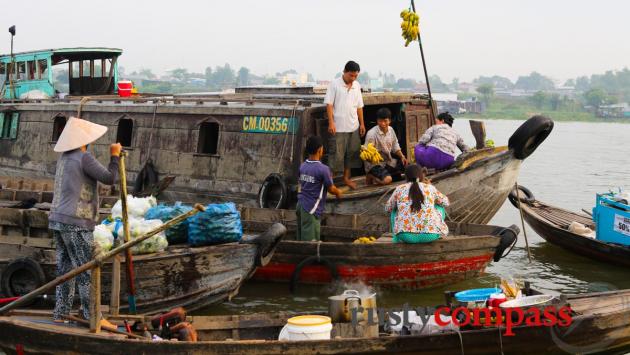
(245, 147)
(193, 277)
(599, 325)
(463, 254)
(552, 224)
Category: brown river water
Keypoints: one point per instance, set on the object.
(576, 161)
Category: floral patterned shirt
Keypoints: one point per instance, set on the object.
(427, 220)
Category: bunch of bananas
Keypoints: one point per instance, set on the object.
(409, 26)
(365, 240)
(370, 154)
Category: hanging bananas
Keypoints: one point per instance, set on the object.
(409, 26)
(370, 154)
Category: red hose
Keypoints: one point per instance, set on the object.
(8, 300)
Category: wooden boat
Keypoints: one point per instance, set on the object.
(600, 324)
(464, 254)
(246, 147)
(193, 277)
(552, 224)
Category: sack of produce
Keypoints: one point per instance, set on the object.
(178, 233)
(137, 207)
(103, 237)
(220, 223)
(137, 228)
(155, 244)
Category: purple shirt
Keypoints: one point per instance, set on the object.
(315, 179)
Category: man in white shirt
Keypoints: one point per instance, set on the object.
(344, 105)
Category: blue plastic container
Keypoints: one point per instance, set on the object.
(476, 295)
(612, 220)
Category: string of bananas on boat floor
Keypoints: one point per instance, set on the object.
(370, 154)
(409, 26)
(365, 240)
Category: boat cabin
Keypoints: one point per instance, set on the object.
(91, 71)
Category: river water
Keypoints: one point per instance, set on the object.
(576, 161)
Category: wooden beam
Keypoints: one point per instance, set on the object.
(95, 301)
(478, 129)
(114, 303)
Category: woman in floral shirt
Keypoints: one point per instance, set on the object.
(417, 209)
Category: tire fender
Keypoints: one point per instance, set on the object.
(508, 239)
(21, 264)
(312, 260)
(266, 187)
(529, 136)
(529, 196)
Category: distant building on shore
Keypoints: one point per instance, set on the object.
(621, 110)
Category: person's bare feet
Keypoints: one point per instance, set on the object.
(351, 184)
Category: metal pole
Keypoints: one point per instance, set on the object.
(424, 65)
(11, 87)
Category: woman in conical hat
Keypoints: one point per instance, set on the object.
(74, 210)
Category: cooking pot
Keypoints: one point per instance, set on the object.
(340, 307)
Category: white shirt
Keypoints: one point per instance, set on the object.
(345, 104)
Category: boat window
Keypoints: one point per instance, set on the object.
(98, 71)
(58, 126)
(21, 73)
(43, 69)
(86, 68)
(32, 72)
(208, 138)
(9, 122)
(75, 69)
(125, 132)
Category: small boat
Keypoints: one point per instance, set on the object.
(552, 224)
(600, 323)
(192, 277)
(463, 254)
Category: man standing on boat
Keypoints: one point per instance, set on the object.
(344, 105)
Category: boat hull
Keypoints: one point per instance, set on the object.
(591, 248)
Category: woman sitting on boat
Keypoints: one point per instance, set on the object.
(437, 146)
(417, 209)
(75, 208)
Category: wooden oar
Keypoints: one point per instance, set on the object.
(99, 260)
(131, 285)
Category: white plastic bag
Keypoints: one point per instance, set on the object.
(103, 237)
(136, 206)
(155, 244)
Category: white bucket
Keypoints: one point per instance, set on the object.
(306, 328)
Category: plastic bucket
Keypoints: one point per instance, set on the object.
(306, 328)
(124, 88)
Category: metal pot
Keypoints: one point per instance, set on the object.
(340, 307)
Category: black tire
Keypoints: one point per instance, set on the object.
(273, 192)
(508, 239)
(148, 176)
(529, 136)
(312, 260)
(21, 276)
(529, 196)
(266, 243)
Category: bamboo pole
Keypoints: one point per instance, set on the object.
(95, 300)
(131, 285)
(98, 260)
(518, 198)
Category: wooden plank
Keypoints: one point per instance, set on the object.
(11, 217)
(478, 129)
(28, 241)
(114, 303)
(95, 297)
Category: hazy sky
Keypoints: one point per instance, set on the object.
(462, 38)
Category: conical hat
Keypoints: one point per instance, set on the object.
(78, 133)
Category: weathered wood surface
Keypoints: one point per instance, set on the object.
(596, 329)
(552, 223)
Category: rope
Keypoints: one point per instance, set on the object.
(319, 243)
(378, 202)
(286, 136)
(148, 156)
(500, 340)
(81, 103)
(461, 341)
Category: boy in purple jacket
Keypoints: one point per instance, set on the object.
(315, 183)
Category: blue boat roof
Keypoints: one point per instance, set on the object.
(76, 53)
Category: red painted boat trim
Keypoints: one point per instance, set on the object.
(404, 275)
